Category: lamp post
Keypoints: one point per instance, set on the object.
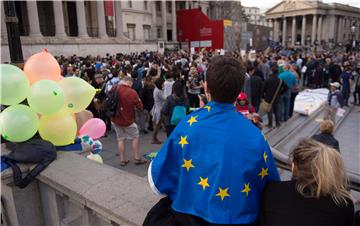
(353, 27)
(12, 27)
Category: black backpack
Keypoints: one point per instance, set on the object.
(32, 151)
(111, 103)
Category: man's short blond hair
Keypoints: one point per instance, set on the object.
(327, 126)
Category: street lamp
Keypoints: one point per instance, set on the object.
(353, 27)
(14, 42)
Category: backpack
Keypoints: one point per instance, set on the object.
(179, 113)
(32, 151)
(111, 103)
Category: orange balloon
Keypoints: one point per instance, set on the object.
(42, 66)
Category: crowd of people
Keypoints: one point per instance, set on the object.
(155, 91)
(271, 77)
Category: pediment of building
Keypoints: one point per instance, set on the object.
(292, 5)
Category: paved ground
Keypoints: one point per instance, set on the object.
(348, 135)
(111, 156)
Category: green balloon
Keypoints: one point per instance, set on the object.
(46, 97)
(19, 123)
(14, 85)
(78, 93)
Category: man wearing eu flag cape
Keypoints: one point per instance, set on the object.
(215, 165)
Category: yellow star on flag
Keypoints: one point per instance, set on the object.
(208, 108)
(263, 173)
(204, 182)
(183, 141)
(192, 120)
(246, 189)
(265, 156)
(187, 164)
(223, 193)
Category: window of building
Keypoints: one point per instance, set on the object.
(158, 31)
(180, 5)
(168, 6)
(145, 5)
(131, 31)
(158, 6)
(130, 4)
(207, 11)
(146, 29)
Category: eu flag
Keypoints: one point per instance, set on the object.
(215, 165)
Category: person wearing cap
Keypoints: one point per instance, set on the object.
(335, 100)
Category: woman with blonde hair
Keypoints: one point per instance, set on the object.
(317, 195)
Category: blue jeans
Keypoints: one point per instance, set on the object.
(285, 105)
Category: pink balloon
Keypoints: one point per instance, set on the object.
(94, 128)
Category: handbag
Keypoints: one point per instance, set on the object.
(265, 106)
(35, 151)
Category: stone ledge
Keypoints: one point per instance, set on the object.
(112, 193)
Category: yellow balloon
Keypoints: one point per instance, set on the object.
(96, 158)
(60, 129)
(78, 93)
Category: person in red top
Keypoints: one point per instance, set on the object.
(247, 110)
(124, 122)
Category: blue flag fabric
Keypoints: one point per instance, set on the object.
(215, 165)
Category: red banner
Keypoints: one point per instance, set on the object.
(109, 7)
(195, 28)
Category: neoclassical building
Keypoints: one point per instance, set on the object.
(95, 27)
(308, 22)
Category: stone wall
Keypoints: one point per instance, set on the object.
(80, 47)
(73, 190)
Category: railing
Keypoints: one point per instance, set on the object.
(76, 191)
(283, 162)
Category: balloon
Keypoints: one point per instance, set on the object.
(78, 93)
(60, 129)
(96, 147)
(96, 158)
(95, 128)
(46, 97)
(14, 85)
(82, 117)
(19, 123)
(42, 66)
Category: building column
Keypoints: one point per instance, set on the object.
(313, 32)
(163, 20)
(284, 32)
(173, 13)
(293, 31)
(276, 30)
(101, 19)
(331, 32)
(154, 24)
(81, 19)
(319, 30)
(303, 31)
(340, 29)
(33, 19)
(118, 20)
(59, 19)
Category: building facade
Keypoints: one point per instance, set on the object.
(308, 23)
(95, 27)
(255, 17)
